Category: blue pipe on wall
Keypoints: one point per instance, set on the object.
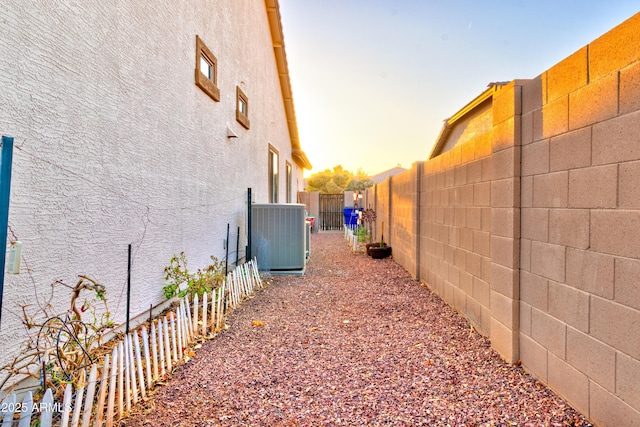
(5, 191)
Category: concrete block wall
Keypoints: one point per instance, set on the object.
(579, 269)
(533, 232)
(405, 210)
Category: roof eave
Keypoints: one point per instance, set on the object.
(277, 37)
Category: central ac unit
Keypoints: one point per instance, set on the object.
(278, 237)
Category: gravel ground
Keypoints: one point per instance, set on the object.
(354, 342)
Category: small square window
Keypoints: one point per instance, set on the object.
(242, 108)
(206, 70)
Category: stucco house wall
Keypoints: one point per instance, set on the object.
(116, 145)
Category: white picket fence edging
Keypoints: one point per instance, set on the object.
(137, 362)
(352, 238)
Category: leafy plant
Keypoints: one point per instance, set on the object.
(362, 234)
(181, 282)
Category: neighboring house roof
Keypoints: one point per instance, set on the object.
(277, 36)
(449, 124)
(380, 177)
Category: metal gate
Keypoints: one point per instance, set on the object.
(331, 211)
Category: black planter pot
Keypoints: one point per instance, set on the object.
(373, 245)
(378, 252)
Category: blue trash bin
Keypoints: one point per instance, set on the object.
(350, 217)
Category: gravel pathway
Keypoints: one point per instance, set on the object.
(354, 342)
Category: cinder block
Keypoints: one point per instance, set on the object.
(613, 323)
(590, 271)
(449, 254)
(460, 217)
(505, 341)
(449, 177)
(466, 195)
(474, 172)
(629, 185)
(486, 269)
(568, 75)
(460, 175)
(534, 290)
(505, 281)
(525, 254)
(504, 309)
(466, 282)
(595, 102)
(447, 294)
(615, 49)
(466, 238)
(505, 222)
(627, 384)
(487, 169)
(535, 158)
(527, 128)
(456, 156)
(606, 409)
(482, 243)
(569, 227)
(569, 383)
(630, 89)
(505, 193)
(461, 259)
(486, 321)
(571, 150)
(533, 357)
(474, 312)
(594, 187)
(535, 224)
(481, 292)
(482, 194)
(627, 282)
(616, 232)
(525, 323)
(467, 151)
(616, 140)
(459, 300)
(551, 190)
(506, 102)
(526, 190)
(474, 218)
(453, 275)
(506, 163)
(538, 124)
(548, 260)
(549, 332)
(506, 134)
(482, 145)
(440, 179)
(505, 251)
(592, 357)
(555, 117)
(486, 219)
(532, 95)
(569, 305)
(474, 264)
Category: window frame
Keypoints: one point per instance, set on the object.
(274, 172)
(242, 116)
(289, 177)
(207, 84)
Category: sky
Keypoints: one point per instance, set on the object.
(373, 80)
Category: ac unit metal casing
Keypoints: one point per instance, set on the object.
(279, 237)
